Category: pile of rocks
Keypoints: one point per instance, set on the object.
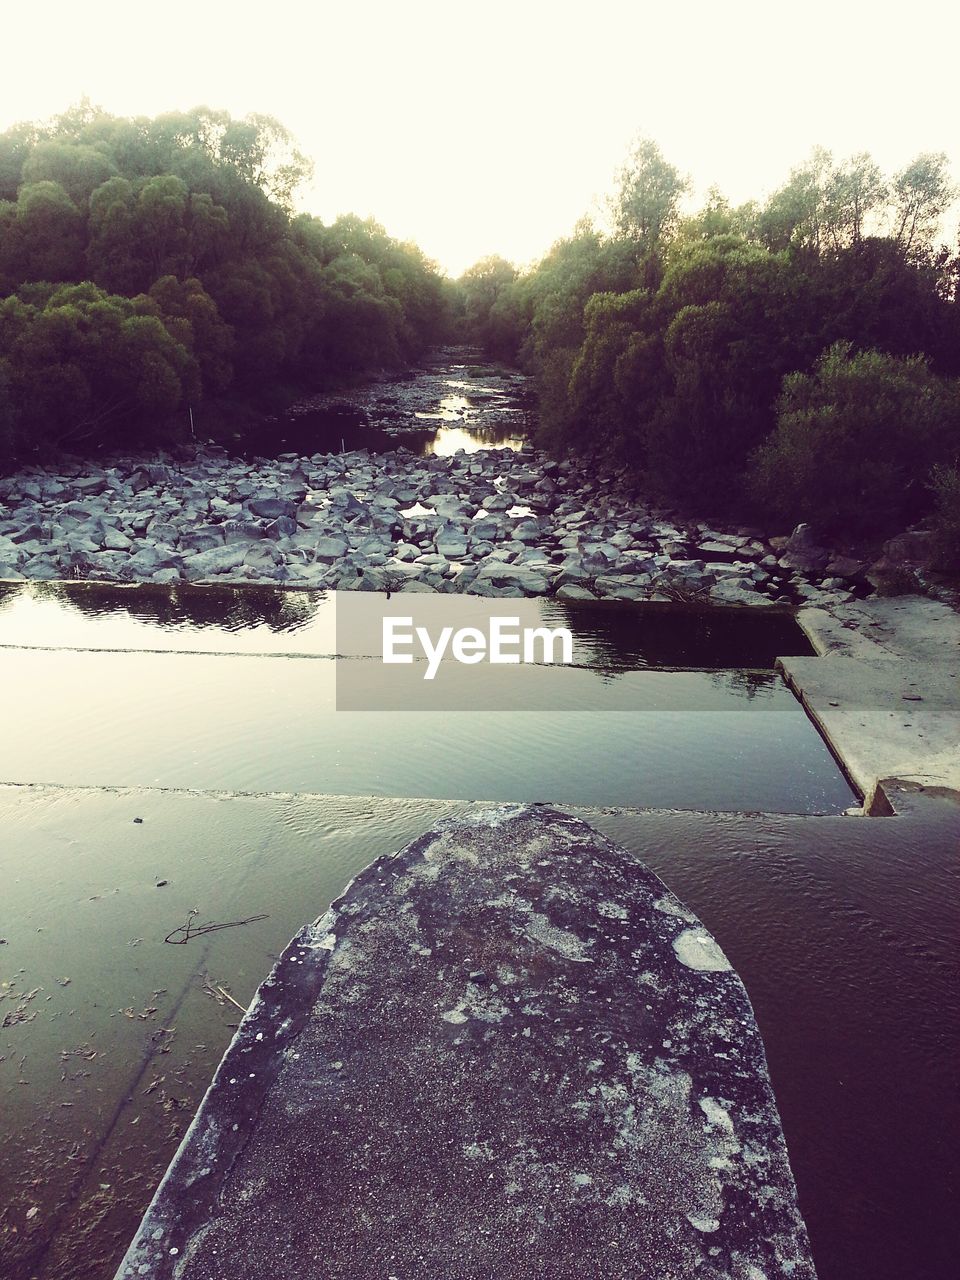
(497, 522)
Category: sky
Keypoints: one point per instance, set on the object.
(479, 128)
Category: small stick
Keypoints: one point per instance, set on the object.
(228, 996)
(188, 930)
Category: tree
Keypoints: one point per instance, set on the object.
(78, 169)
(481, 286)
(922, 193)
(85, 367)
(795, 215)
(44, 241)
(647, 204)
(853, 192)
(855, 442)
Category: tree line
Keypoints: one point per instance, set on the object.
(797, 357)
(152, 266)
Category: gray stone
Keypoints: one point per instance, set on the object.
(216, 560)
(520, 577)
(330, 549)
(844, 567)
(31, 532)
(451, 543)
(282, 527)
(114, 540)
(89, 486)
(202, 539)
(272, 508)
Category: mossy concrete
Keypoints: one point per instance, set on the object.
(508, 1051)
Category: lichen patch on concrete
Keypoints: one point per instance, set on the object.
(698, 950)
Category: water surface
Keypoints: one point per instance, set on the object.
(236, 691)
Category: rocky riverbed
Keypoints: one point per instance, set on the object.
(434, 490)
(498, 522)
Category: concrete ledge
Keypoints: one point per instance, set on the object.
(505, 1051)
(885, 693)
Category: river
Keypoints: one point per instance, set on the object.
(172, 757)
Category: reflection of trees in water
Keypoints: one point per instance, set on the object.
(613, 634)
(749, 684)
(225, 608)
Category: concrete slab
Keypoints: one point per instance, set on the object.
(505, 1051)
(886, 692)
(896, 626)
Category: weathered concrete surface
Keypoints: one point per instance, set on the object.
(886, 692)
(505, 1051)
(911, 627)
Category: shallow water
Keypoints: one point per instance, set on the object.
(134, 689)
(843, 929)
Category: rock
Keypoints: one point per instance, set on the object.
(893, 578)
(570, 591)
(330, 549)
(464, 1041)
(89, 486)
(216, 560)
(41, 568)
(813, 561)
(145, 561)
(282, 527)
(264, 556)
(451, 543)
(203, 538)
(31, 532)
(845, 567)
(511, 575)
(801, 539)
(272, 508)
(913, 547)
(735, 592)
(114, 540)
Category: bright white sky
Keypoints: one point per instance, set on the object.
(491, 127)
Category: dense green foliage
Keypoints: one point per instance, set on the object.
(151, 265)
(855, 440)
(945, 482)
(703, 349)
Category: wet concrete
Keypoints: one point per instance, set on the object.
(506, 1050)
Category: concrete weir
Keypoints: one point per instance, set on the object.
(505, 1051)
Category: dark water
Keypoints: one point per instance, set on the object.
(146, 714)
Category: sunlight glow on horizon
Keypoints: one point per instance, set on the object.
(477, 130)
